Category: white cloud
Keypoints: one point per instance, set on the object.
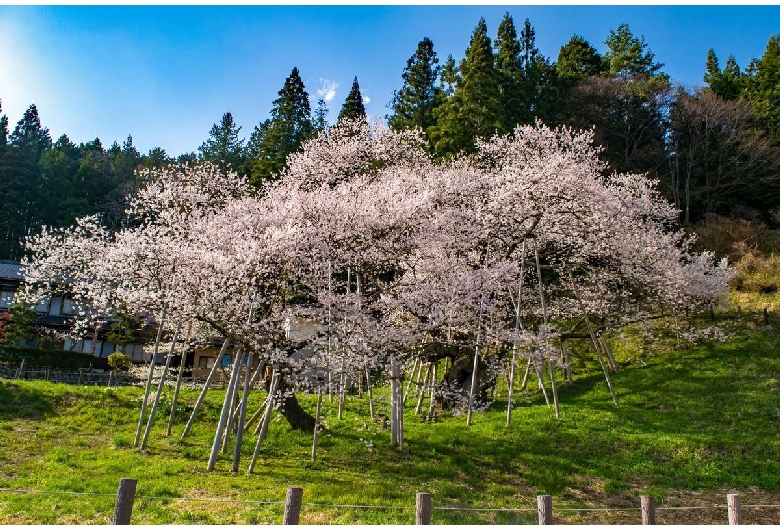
(328, 89)
(366, 100)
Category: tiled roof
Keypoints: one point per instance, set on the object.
(11, 270)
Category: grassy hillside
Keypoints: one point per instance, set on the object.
(694, 423)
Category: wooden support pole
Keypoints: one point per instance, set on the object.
(179, 378)
(206, 385)
(735, 508)
(269, 405)
(423, 508)
(608, 352)
(160, 386)
(242, 414)
(648, 509)
(124, 501)
(342, 391)
(19, 371)
(81, 376)
(593, 338)
(421, 388)
(524, 386)
(431, 407)
(551, 365)
(222, 425)
(292, 505)
(766, 317)
(370, 393)
(316, 425)
(544, 507)
(566, 360)
(417, 362)
(149, 381)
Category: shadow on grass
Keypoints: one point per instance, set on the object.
(17, 402)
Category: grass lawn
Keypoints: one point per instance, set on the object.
(694, 422)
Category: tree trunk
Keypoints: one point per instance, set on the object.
(298, 418)
(460, 373)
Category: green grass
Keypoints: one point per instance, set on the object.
(693, 422)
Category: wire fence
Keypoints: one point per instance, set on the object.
(423, 508)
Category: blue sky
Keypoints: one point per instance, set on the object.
(167, 74)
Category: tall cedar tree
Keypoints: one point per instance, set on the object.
(475, 109)
(763, 86)
(628, 56)
(289, 126)
(578, 60)
(413, 105)
(320, 119)
(540, 79)
(20, 182)
(727, 83)
(223, 146)
(510, 69)
(353, 106)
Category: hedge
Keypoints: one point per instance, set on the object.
(38, 358)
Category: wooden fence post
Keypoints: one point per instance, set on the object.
(292, 505)
(648, 509)
(735, 508)
(124, 501)
(423, 511)
(544, 505)
(81, 376)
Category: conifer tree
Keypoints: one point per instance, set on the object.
(628, 56)
(413, 105)
(289, 126)
(763, 86)
(3, 129)
(21, 185)
(223, 146)
(353, 107)
(475, 109)
(726, 83)
(510, 70)
(578, 60)
(320, 119)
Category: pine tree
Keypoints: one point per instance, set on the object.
(539, 81)
(21, 185)
(353, 106)
(726, 83)
(475, 109)
(413, 105)
(223, 147)
(628, 56)
(763, 86)
(578, 60)
(510, 69)
(320, 119)
(284, 133)
(3, 130)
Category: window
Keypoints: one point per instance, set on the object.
(205, 362)
(68, 307)
(42, 307)
(6, 299)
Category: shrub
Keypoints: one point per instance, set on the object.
(119, 361)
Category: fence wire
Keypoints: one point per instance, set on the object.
(382, 507)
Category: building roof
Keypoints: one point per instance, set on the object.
(11, 270)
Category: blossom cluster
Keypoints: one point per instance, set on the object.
(366, 249)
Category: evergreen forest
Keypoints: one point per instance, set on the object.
(715, 149)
